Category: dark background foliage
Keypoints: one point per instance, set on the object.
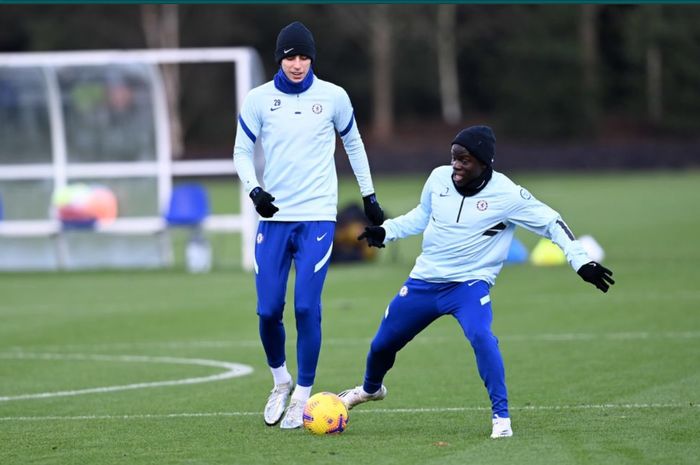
(629, 87)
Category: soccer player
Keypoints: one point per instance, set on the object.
(467, 214)
(296, 116)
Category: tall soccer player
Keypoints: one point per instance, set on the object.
(296, 116)
(467, 214)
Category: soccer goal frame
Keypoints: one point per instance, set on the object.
(248, 74)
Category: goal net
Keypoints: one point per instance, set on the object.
(100, 118)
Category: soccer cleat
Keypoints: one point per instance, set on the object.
(501, 428)
(357, 395)
(277, 402)
(294, 416)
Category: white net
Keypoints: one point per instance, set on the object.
(99, 119)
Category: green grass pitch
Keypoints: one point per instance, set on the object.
(593, 378)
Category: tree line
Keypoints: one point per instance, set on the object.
(557, 71)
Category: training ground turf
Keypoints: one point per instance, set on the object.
(593, 378)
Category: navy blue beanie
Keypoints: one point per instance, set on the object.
(479, 141)
(295, 39)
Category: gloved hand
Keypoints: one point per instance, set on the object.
(263, 202)
(375, 236)
(596, 274)
(373, 211)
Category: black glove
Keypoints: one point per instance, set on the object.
(375, 236)
(373, 211)
(596, 274)
(263, 202)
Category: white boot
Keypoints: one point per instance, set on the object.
(357, 395)
(501, 428)
(277, 402)
(294, 416)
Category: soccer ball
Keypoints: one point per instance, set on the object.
(325, 413)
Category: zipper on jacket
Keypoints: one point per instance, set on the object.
(460, 209)
(298, 110)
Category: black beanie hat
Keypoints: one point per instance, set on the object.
(479, 141)
(295, 39)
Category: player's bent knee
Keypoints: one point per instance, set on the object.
(382, 347)
(270, 314)
(482, 339)
(307, 311)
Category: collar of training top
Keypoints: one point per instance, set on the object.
(283, 84)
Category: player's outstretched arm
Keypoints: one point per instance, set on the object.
(263, 202)
(596, 274)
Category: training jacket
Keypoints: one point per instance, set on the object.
(467, 238)
(297, 132)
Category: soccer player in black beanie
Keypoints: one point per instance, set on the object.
(468, 214)
(296, 116)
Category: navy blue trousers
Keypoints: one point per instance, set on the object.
(418, 304)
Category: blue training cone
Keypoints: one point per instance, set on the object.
(517, 253)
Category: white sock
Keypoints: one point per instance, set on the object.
(281, 375)
(301, 393)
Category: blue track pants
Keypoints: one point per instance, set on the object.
(418, 304)
(308, 244)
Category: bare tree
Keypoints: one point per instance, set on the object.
(654, 94)
(447, 63)
(161, 29)
(370, 23)
(382, 73)
(588, 33)
(654, 63)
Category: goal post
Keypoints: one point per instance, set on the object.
(56, 129)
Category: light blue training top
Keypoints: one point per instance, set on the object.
(467, 238)
(297, 133)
